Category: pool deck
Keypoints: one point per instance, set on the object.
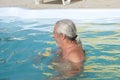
(57, 4)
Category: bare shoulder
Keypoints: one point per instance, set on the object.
(76, 56)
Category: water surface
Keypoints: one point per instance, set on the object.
(27, 47)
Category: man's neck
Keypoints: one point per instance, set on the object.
(67, 45)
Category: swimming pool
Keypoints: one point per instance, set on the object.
(26, 48)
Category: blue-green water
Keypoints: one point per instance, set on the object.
(26, 49)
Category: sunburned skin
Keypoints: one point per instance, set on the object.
(71, 54)
(65, 68)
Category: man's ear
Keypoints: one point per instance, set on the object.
(63, 36)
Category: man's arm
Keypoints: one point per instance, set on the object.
(76, 68)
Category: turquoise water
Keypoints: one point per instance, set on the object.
(27, 47)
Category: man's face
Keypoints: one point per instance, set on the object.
(56, 36)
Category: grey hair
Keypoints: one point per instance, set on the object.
(68, 28)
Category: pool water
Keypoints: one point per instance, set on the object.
(27, 47)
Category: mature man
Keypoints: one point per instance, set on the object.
(71, 52)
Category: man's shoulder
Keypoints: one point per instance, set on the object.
(76, 56)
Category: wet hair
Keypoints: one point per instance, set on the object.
(68, 28)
